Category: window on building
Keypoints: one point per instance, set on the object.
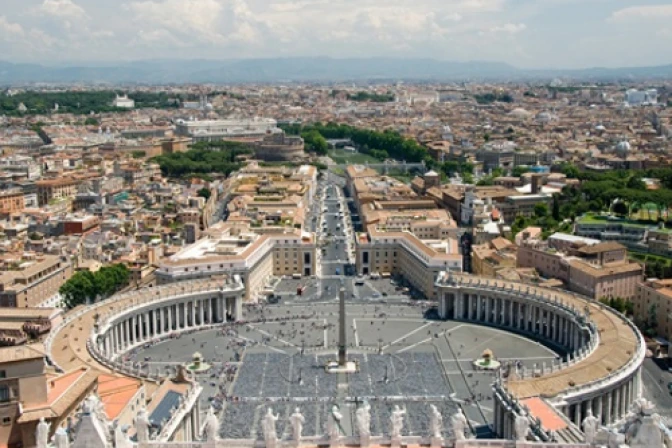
(4, 393)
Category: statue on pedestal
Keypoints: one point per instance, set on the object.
(61, 439)
(435, 422)
(459, 423)
(211, 426)
(297, 420)
(333, 430)
(268, 428)
(42, 433)
(121, 439)
(142, 425)
(590, 425)
(522, 426)
(396, 422)
(363, 415)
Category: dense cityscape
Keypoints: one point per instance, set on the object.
(322, 252)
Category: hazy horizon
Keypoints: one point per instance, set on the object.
(527, 34)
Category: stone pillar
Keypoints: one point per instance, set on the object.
(608, 417)
(162, 320)
(513, 314)
(170, 318)
(200, 312)
(488, 313)
(479, 308)
(192, 312)
(577, 414)
(238, 304)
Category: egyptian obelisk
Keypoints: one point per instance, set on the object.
(342, 343)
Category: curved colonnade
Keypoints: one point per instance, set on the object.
(602, 350)
(94, 336)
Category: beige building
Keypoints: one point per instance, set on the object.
(235, 249)
(414, 245)
(585, 266)
(33, 281)
(29, 392)
(654, 299)
(54, 189)
(490, 258)
(11, 201)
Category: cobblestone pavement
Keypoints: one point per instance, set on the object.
(281, 364)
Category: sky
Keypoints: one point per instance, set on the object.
(524, 33)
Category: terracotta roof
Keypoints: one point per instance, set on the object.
(601, 247)
(550, 420)
(116, 392)
(64, 392)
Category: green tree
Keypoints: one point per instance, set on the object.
(556, 208)
(519, 171)
(85, 286)
(204, 193)
(636, 183)
(540, 210)
(90, 121)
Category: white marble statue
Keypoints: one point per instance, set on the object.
(396, 422)
(121, 439)
(333, 423)
(649, 434)
(268, 428)
(458, 421)
(363, 415)
(297, 420)
(142, 425)
(42, 433)
(211, 426)
(590, 426)
(61, 439)
(435, 422)
(522, 426)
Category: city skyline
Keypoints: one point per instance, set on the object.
(542, 34)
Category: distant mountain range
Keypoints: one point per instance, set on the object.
(300, 70)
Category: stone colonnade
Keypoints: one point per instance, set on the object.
(558, 325)
(141, 324)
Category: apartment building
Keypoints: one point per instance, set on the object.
(402, 253)
(492, 257)
(354, 172)
(28, 392)
(652, 306)
(30, 280)
(585, 266)
(11, 201)
(49, 190)
(21, 167)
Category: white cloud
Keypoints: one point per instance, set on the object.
(509, 28)
(213, 22)
(66, 9)
(10, 30)
(642, 12)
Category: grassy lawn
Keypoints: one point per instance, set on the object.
(345, 157)
(648, 258)
(590, 218)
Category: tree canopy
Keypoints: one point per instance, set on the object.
(84, 286)
(394, 144)
(219, 158)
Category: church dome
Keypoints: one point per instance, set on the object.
(520, 113)
(623, 148)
